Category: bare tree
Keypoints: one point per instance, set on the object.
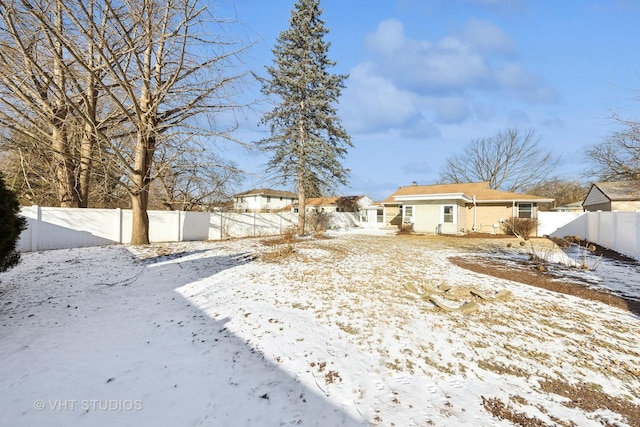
(562, 191)
(144, 73)
(35, 91)
(196, 180)
(510, 160)
(160, 84)
(618, 157)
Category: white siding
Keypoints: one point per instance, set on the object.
(595, 197)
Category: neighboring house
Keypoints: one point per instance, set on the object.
(335, 204)
(320, 204)
(613, 196)
(569, 207)
(373, 216)
(263, 200)
(458, 208)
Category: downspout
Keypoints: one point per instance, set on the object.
(475, 215)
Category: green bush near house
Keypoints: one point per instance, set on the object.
(11, 225)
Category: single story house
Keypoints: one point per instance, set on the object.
(613, 196)
(335, 204)
(263, 200)
(458, 208)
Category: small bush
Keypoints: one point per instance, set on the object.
(11, 225)
(319, 220)
(406, 228)
(289, 234)
(520, 227)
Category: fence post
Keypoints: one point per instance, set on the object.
(614, 225)
(178, 231)
(117, 226)
(35, 228)
(637, 235)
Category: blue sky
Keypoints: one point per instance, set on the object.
(426, 77)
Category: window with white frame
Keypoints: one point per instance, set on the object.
(448, 214)
(525, 210)
(407, 214)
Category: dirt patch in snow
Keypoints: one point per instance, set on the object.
(530, 274)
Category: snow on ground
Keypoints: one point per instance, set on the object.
(227, 334)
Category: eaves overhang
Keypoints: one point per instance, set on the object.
(432, 197)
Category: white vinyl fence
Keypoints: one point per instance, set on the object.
(59, 228)
(619, 231)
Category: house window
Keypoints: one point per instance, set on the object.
(268, 199)
(447, 213)
(407, 212)
(380, 215)
(525, 210)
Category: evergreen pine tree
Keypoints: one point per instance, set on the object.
(307, 140)
(11, 224)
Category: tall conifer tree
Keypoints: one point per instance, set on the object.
(307, 140)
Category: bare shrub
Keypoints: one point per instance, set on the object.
(289, 234)
(319, 220)
(520, 227)
(287, 240)
(579, 250)
(406, 228)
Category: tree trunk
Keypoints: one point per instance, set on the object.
(140, 195)
(65, 176)
(89, 135)
(65, 180)
(140, 219)
(302, 205)
(84, 176)
(302, 143)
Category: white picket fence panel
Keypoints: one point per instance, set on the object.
(619, 231)
(60, 228)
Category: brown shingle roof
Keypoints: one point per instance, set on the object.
(620, 190)
(480, 190)
(321, 201)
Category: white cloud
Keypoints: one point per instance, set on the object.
(372, 103)
(421, 130)
(423, 65)
(526, 85)
(488, 38)
(451, 109)
(388, 38)
(417, 85)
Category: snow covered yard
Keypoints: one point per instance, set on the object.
(246, 332)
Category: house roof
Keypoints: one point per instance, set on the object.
(466, 192)
(574, 205)
(321, 201)
(267, 192)
(619, 190)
